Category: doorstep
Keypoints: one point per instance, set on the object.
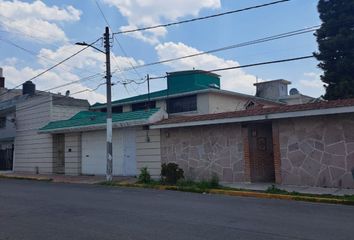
(291, 188)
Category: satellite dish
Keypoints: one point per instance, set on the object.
(294, 91)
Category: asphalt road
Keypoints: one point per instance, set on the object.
(42, 210)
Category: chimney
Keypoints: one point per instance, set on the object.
(28, 88)
(2, 79)
(274, 90)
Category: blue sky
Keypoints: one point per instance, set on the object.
(49, 29)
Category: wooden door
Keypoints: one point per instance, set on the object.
(261, 153)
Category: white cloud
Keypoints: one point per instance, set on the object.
(312, 84)
(36, 19)
(89, 60)
(15, 76)
(233, 80)
(87, 63)
(144, 13)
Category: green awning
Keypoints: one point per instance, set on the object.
(87, 120)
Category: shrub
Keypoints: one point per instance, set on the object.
(274, 190)
(171, 173)
(144, 176)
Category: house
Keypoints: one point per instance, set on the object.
(305, 144)
(189, 93)
(271, 137)
(22, 113)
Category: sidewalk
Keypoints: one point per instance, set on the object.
(83, 179)
(291, 188)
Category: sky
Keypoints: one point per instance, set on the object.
(35, 35)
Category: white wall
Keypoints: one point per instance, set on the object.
(33, 150)
(60, 112)
(94, 152)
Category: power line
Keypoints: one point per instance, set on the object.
(35, 54)
(52, 100)
(201, 18)
(243, 66)
(76, 81)
(120, 46)
(239, 45)
(52, 67)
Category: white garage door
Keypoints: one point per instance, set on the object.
(94, 152)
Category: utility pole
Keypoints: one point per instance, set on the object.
(107, 52)
(148, 82)
(109, 106)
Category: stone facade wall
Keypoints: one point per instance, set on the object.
(205, 150)
(318, 151)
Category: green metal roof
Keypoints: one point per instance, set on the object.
(86, 118)
(177, 83)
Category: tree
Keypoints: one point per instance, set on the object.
(335, 39)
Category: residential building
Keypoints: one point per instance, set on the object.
(22, 113)
(207, 131)
(190, 93)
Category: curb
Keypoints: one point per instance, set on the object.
(281, 196)
(27, 178)
(243, 193)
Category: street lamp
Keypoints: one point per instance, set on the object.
(107, 52)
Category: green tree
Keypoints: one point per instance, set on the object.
(336, 47)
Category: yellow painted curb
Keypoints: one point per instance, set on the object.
(247, 194)
(280, 196)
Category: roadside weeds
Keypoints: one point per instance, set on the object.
(271, 193)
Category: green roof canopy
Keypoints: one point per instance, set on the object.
(177, 83)
(86, 118)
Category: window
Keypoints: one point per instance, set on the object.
(143, 105)
(2, 122)
(182, 104)
(116, 109)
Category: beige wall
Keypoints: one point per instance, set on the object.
(148, 153)
(318, 151)
(127, 108)
(205, 150)
(225, 103)
(161, 104)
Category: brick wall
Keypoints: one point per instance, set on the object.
(205, 150)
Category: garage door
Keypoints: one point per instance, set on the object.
(94, 152)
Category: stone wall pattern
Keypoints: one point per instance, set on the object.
(318, 151)
(202, 151)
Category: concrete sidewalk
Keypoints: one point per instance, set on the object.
(291, 188)
(83, 179)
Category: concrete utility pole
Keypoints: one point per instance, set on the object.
(107, 52)
(109, 106)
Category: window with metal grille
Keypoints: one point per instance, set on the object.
(182, 104)
(116, 109)
(143, 105)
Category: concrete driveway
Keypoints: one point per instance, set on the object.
(43, 210)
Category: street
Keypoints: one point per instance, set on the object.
(42, 210)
